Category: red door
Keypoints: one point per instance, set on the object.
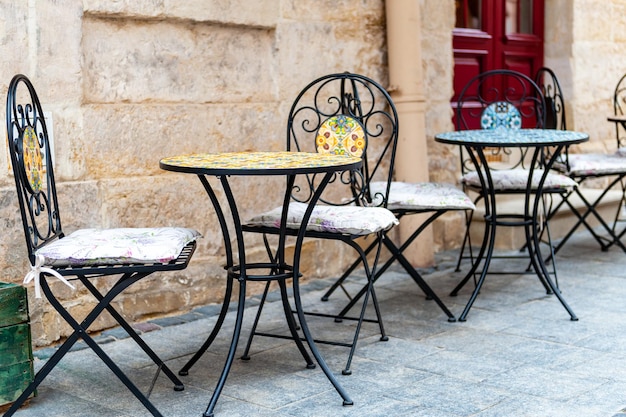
(496, 34)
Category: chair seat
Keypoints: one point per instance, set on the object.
(423, 196)
(589, 164)
(517, 180)
(118, 246)
(354, 220)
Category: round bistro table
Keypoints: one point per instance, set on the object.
(289, 164)
(476, 141)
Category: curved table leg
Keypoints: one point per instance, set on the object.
(292, 325)
(216, 329)
(298, 301)
(490, 234)
(533, 240)
(231, 351)
(309, 338)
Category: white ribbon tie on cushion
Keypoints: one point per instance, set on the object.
(87, 247)
(39, 268)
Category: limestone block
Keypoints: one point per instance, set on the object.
(332, 11)
(125, 140)
(595, 78)
(262, 13)
(80, 205)
(591, 118)
(14, 38)
(56, 52)
(151, 61)
(359, 50)
(590, 21)
(618, 20)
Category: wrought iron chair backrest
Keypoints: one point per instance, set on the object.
(500, 99)
(549, 84)
(619, 109)
(346, 114)
(31, 161)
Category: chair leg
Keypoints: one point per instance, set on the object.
(591, 210)
(467, 241)
(80, 331)
(369, 290)
(617, 219)
(347, 273)
(370, 273)
(309, 338)
(178, 385)
(397, 255)
(541, 269)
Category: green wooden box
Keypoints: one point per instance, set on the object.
(16, 353)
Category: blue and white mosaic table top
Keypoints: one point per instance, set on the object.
(512, 137)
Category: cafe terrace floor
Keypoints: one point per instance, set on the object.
(518, 354)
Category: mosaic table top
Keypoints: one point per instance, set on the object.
(256, 163)
(512, 137)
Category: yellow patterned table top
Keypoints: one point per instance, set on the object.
(255, 163)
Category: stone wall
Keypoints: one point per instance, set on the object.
(129, 82)
(597, 62)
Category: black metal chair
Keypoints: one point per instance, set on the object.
(591, 166)
(506, 99)
(131, 254)
(434, 199)
(351, 114)
(552, 92)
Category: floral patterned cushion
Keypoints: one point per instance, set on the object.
(115, 246)
(517, 179)
(354, 220)
(423, 196)
(594, 164)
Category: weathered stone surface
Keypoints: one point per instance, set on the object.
(264, 13)
(123, 140)
(156, 65)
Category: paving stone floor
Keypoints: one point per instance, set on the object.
(518, 354)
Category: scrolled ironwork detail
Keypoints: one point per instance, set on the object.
(484, 91)
(355, 98)
(31, 161)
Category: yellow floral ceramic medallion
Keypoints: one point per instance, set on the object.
(341, 135)
(33, 160)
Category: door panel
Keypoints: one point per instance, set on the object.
(494, 34)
